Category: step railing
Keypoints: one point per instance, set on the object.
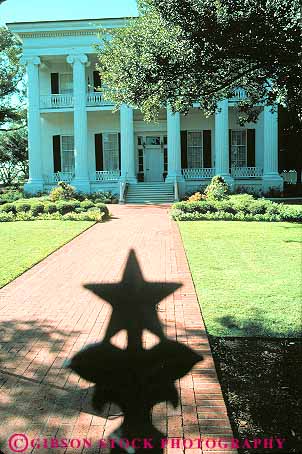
(176, 191)
(123, 186)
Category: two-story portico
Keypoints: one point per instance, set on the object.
(77, 136)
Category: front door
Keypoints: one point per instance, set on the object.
(154, 164)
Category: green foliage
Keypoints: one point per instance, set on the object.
(11, 75)
(64, 207)
(86, 204)
(13, 156)
(11, 195)
(63, 191)
(95, 216)
(218, 189)
(37, 208)
(50, 208)
(24, 206)
(24, 216)
(186, 51)
(8, 207)
(103, 209)
(236, 208)
(6, 217)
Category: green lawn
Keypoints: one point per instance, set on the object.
(247, 276)
(22, 244)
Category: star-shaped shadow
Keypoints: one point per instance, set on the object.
(135, 379)
(134, 302)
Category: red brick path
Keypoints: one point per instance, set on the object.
(46, 316)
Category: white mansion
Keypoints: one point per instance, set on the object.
(76, 136)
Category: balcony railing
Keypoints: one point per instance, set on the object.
(198, 173)
(246, 172)
(56, 101)
(61, 101)
(107, 175)
(239, 94)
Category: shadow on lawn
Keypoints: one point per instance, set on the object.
(259, 379)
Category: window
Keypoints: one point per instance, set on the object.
(111, 151)
(238, 149)
(66, 83)
(152, 140)
(194, 149)
(67, 160)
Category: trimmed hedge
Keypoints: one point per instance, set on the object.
(64, 209)
(236, 208)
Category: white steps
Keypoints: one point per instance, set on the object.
(149, 193)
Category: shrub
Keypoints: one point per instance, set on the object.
(7, 217)
(11, 195)
(50, 208)
(95, 216)
(86, 204)
(37, 208)
(67, 207)
(238, 208)
(196, 197)
(8, 207)
(218, 189)
(25, 216)
(22, 207)
(63, 191)
(103, 209)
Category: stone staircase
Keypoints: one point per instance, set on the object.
(149, 193)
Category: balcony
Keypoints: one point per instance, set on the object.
(66, 101)
(239, 95)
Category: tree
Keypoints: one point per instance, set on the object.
(13, 156)
(186, 51)
(11, 81)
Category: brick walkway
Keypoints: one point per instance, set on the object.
(46, 316)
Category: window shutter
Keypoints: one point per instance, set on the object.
(119, 150)
(230, 148)
(99, 160)
(56, 143)
(97, 81)
(207, 148)
(54, 77)
(251, 147)
(184, 149)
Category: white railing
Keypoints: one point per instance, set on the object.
(238, 95)
(56, 101)
(176, 192)
(107, 175)
(290, 177)
(198, 173)
(61, 101)
(59, 176)
(246, 172)
(97, 99)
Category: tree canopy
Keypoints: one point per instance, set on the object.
(11, 78)
(13, 156)
(186, 51)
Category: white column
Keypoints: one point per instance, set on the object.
(35, 181)
(222, 164)
(271, 177)
(174, 147)
(128, 163)
(81, 180)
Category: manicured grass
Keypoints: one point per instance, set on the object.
(25, 243)
(247, 276)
